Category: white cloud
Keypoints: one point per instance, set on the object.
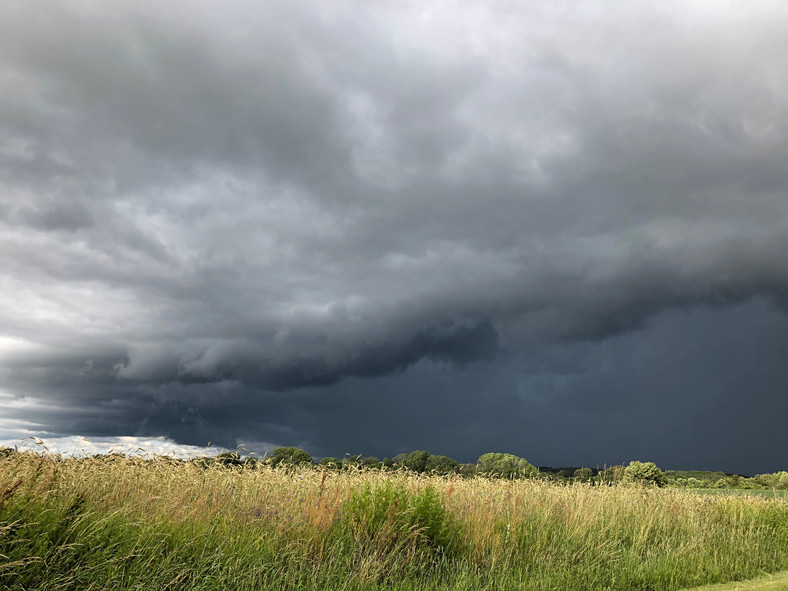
(78, 445)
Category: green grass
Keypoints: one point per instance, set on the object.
(121, 523)
(765, 493)
(774, 582)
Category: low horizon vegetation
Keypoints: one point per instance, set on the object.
(125, 522)
(505, 465)
(500, 465)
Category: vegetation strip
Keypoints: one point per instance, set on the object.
(774, 582)
(114, 522)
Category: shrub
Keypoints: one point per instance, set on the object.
(777, 480)
(504, 466)
(645, 473)
(467, 469)
(376, 511)
(612, 474)
(251, 461)
(371, 462)
(330, 462)
(435, 523)
(229, 458)
(289, 456)
(351, 462)
(583, 474)
(385, 517)
(416, 461)
(441, 465)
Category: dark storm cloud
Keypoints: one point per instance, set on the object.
(260, 203)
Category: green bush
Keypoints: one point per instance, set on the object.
(386, 517)
(466, 470)
(416, 461)
(504, 466)
(612, 474)
(441, 465)
(371, 462)
(434, 522)
(778, 480)
(645, 473)
(289, 456)
(251, 461)
(351, 462)
(583, 474)
(330, 462)
(230, 458)
(377, 511)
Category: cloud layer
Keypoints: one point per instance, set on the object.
(201, 206)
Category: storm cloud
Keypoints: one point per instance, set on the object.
(272, 222)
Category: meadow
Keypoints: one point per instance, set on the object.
(118, 522)
(769, 494)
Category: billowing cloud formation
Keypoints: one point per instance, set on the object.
(201, 201)
(78, 446)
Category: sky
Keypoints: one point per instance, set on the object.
(556, 229)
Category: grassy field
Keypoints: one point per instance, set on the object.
(768, 494)
(133, 524)
(774, 582)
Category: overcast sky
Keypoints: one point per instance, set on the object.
(557, 229)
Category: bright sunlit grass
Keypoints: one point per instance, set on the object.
(126, 523)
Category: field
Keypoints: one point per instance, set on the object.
(774, 582)
(768, 494)
(125, 523)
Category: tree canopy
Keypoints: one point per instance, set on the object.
(289, 456)
(646, 473)
(504, 465)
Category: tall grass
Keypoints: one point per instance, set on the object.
(126, 523)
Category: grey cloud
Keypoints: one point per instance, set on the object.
(254, 365)
(70, 218)
(662, 392)
(286, 198)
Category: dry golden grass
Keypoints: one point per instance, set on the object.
(157, 521)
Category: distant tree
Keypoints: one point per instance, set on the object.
(399, 460)
(504, 466)
(612, 474)
(583, 474)
(646, 473)
(389, 464)
(289, 456)
(416, 461)
(351, 462)
(202, 461)
(778, 480)
(371, 462)
(229, 458)
(330, 462)
(251, 461)
(441, 465)
(467, 469)
(689, 482)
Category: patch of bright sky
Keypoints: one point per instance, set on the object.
(77, 445)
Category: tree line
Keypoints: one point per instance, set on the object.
(491, 465)
(502, 465)
(505, 465)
